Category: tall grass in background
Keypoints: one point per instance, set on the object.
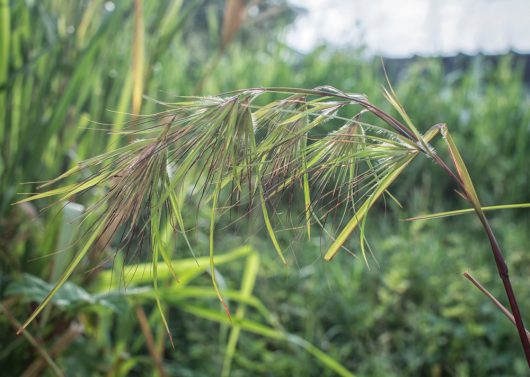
(46, 128)
(57, 79)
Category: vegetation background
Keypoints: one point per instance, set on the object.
(64, 66)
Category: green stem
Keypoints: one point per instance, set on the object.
(466, 185)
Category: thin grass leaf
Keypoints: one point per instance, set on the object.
(138, 57)
(458, 212)
(186, 269)
(177, 213)
(363, 210)
(259, 329)
(307, 201)
(157, 295)
(247, 285)
(34, 342)
(121, 109)
(212, 260)
(305, 184)
(66, 274)
(233, 16)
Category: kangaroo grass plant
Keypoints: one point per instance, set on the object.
(231, 155)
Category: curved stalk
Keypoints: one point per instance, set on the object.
(502, 268)
(470, 194)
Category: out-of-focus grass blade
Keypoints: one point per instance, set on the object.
(5, 30)
(72, 216)
(138, 57)
(68, 173)
(170, 15)
(247, 285)
(176, 293)
(232, 20)
(70, 222)
(383, 185)
(185, 269)
(119, 119)
(67, 272)
(69, 190)
(86, 20)
(83, 68)
(458, 212)
(5, 38)
(268, 332)
(34, 342)
(57, 191)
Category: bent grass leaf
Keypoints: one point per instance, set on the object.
(460, 166)
(39, 347)
(157, 247)
(186, 269)
(269, 332)
(247, 285)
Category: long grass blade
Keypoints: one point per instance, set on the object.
(458, 212)
(363, 210)
(186, 269)
(232, 20)
(247, 285)
(96, 233)
(259, 329)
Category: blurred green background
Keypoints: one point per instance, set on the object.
(65, 65)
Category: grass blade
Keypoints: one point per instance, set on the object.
(67, 272)
(461, 169)
(268, 332)
(138, 57)
(458, 212)
(383, 185)
(34, 342)
(247, 285)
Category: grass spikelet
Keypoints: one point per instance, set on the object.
(225, 151)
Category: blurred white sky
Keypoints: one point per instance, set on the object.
(423, 27)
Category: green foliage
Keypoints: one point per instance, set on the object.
(411, 313)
